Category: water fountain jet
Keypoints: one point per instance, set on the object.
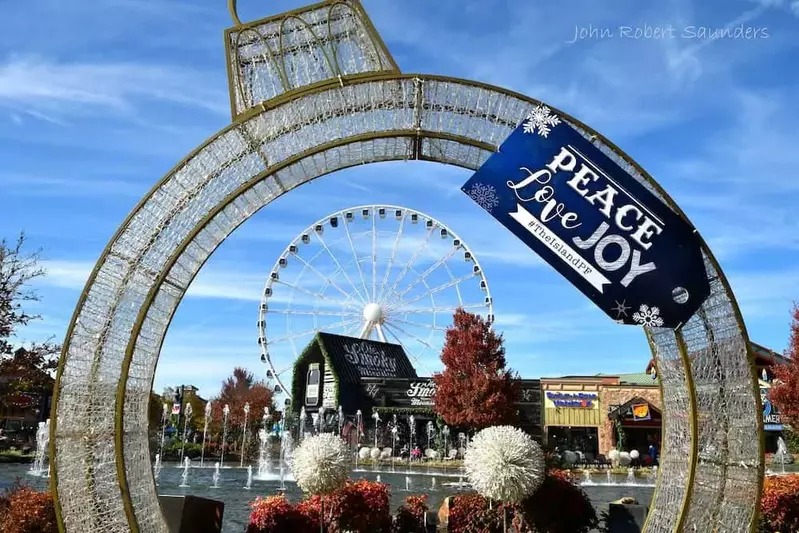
(376, 417)
(157, 467)
(215, 477)
(248, 486)
(186, 418)
(782, 451)
(42, 442)
(185, 476)
(164, 419)
(244, 435)
(205, 432)
(225, 413)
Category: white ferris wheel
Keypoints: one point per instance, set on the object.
(379, 272)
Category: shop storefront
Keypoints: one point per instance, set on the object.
(403, 397)
(572, 409)
(632, 418)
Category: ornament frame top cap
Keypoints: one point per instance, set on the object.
(329, 42)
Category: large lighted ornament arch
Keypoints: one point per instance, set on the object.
(314, 91)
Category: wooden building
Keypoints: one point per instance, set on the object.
(375, 377)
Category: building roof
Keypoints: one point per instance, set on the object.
(637, 378)
(769, 357)
(353, 358)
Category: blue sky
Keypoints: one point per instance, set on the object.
(99, 99)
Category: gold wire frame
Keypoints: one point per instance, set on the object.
(327, 111)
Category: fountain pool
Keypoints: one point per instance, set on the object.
(231, 481)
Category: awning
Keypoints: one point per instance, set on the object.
(637, 409)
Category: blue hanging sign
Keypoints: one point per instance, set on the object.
(613, 239)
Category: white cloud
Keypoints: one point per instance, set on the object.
(22, 185)
(44, 88)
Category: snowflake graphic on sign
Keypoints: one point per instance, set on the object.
(648, 316)
(484, 195)
(541, 121)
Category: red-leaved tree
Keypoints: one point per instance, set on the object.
(240, 389)
(475, 389)
(784, 391)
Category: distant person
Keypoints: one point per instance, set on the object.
(653, 453)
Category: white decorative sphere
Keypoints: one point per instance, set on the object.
(504, 463)
(569, 457)
(320, 464)
(385, 454)
(375, 454)
(613, 455)
(634, 454)
(364, 453)
(624, 459)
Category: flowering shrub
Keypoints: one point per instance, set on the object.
(24, 510)
(275, 514)
(471, 513)
(416, 453)
(542, 512)
(410, 515)
(361, 506)
(779, 505)
(358, 506)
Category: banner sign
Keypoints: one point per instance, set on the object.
(421, 392)
(175, 408)
(584, 400)
(641, 412)
(613, 239)
(772, 421)
(370, 359)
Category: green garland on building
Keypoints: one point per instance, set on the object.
(296, 389)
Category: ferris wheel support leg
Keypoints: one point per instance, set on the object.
(380, 335)
(366, 332)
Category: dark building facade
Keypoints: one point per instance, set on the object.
(375, 377)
